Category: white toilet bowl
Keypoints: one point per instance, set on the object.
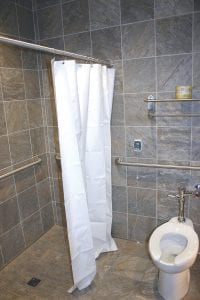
(173, 247)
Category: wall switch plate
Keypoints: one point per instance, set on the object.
(137, 145)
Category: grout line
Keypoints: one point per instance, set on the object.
(91, 45)
(123, 82)
(156, 123)
(15, 187)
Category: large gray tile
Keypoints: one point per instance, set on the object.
(167, 207)
(148, 137)
(32, 86)
(139, 75)
(41, 170)
(136, 111)
(56, 42)
(142, 202)
(196, 5)
(25, 21)
(118, 111)
(12, 243)
(58, 190)
(132, 11)
(104, 13)
(32, 227)
(35, 113)
(141, 177)
(28, 202)
(170, 180)
(47, 84)
(25, 3)
(106, 43)
(141, 228)
(24, 179)
(1, 260)
(119, 199)
(20, 146)
(118, 86)
(16, 116)
(8, 18)
(118, 174)
(44, 193)
(174, 70)
(166, 8)
(50, 22)
(51, 112)
(4, 152)
(44, 3)
(9, 215)
(60, 217)
(118, 140)
(196, 71)
(79, 43)
(2, 120)
(47, 217)
(119, 225)
(196, 37)
(53, 140)
(7, 188)
(12, 84)
(38, 141)
(174, 143)
(138, 40)
(195, 144)
(194, 210)
(75, 16)
(174, 35)
(10, 57)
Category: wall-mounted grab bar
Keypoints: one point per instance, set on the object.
(170, 100)
(21, 168)
(119, 161)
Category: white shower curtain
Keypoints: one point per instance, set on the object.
(84, 95)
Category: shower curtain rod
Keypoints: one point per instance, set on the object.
(53, 50)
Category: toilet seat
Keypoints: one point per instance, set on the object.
(187, 256)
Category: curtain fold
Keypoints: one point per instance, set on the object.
(84, 95)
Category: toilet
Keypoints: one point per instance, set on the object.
(173, 248)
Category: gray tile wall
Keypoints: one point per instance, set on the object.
(25, 198)
(155, 46)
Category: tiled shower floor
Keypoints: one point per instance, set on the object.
(125, 274)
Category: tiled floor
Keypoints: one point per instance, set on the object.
(125, 274)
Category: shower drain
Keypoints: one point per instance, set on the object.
(33, 282)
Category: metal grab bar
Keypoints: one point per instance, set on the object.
(20, 169)
(152, 115)
(170, 100)
(119, 161)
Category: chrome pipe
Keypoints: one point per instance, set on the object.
(21, 169)
(119, 161)
(53, 51)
